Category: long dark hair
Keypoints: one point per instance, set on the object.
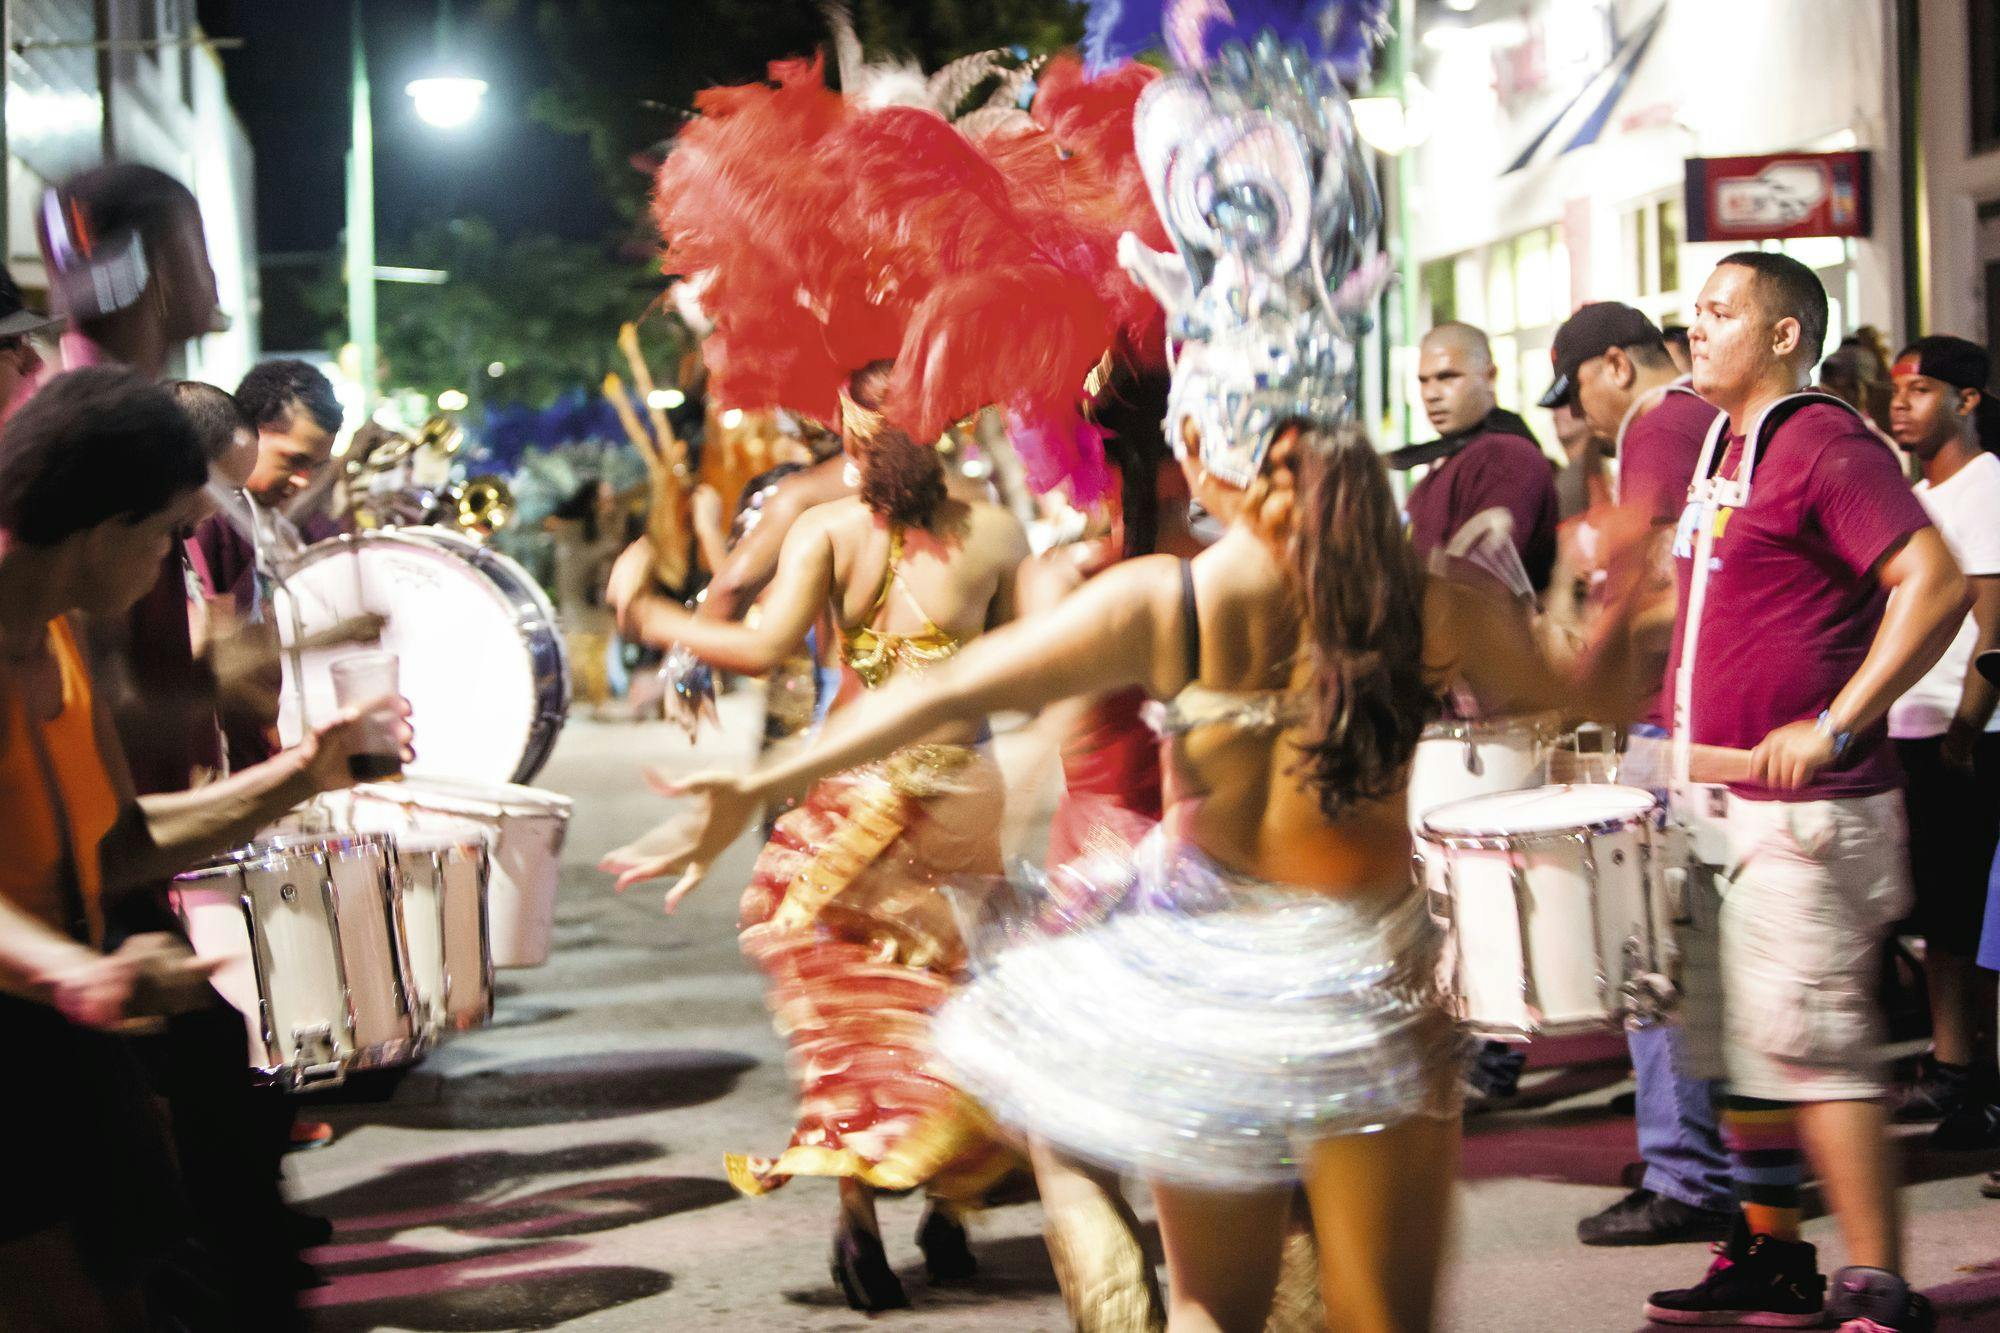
(1362, 588)
(1131, 413)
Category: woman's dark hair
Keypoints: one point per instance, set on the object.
(215, 413)
(581, 507)
(1132, 413)
(901, 480)
(1363, 590)
(94, 445)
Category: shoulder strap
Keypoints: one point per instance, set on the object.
(888, 574)
(1190, 622)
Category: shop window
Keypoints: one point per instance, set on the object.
(1531, 280)
(1669, 227)
(1983, 58)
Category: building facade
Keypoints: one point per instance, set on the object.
(1958, 112)
(1560, 131)
(132, 80)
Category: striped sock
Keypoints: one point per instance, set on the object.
(1763, 1142)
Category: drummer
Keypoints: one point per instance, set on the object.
(1615, 368)
(97, 473)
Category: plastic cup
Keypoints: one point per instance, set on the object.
(361, 678)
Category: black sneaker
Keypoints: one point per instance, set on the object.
(1645, 1218)
(1874, 1300)
(1940, 1089)
(1973, 1127)
(1755, 1282)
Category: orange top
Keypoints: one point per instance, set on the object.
(31, 871)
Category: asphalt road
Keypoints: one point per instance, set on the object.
(562, 1167)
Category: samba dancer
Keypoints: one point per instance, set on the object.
(1260, 1008)
(907, 240)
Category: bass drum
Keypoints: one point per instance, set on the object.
(480, 658)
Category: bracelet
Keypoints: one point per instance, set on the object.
(1841, 739)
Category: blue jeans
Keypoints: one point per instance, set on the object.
(1678, 1137)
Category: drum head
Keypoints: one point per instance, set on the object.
(477, 657)
(1540, 810)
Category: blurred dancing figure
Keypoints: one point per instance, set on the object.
(1252, 993)
(841, 912)
(941, 274)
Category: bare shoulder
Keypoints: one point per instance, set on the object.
(995, 527)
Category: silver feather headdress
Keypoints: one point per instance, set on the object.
(1252, 159)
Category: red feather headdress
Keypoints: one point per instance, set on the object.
(832, 235)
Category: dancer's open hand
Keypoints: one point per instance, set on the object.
(687, 844)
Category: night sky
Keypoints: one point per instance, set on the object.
(290, 84)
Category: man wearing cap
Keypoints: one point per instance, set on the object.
(1484, 456)
(20, 361)
(1613, 367)
(1945, 731)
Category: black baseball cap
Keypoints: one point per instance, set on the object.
(1592, 331)
(16, 319)
(1954, 361)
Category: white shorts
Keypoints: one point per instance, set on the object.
(1781, 955)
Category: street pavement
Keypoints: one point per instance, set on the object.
(562, 1168)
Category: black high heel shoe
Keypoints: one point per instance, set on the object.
(947, 1254)
(861, 1271)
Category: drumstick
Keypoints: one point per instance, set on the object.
(1718, 764)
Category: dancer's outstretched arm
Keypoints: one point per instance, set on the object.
(1122, 628)
(799, 589)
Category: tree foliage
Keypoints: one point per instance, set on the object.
(546, 309)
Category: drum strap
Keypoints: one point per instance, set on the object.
(1699, 805)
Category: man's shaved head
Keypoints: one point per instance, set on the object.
(1456, 377)
(1469, 343)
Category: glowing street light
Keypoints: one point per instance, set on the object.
(452, 400)
(665, 399)
(732, 418)
(447, 101)
(495, 369)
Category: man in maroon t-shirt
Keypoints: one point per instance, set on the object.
(1612, 365)
(1485, 457)
(1823, 593)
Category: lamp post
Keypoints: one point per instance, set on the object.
(446, 101)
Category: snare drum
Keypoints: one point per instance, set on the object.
(310, 931)
(1461, 758)
(525, 829)
(443, 872)
(1552, 898)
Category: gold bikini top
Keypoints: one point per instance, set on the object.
(874, 653)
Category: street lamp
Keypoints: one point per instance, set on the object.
(444, 101)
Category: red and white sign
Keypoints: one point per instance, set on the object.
(1778, 196)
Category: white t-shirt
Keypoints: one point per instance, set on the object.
(1966, 510)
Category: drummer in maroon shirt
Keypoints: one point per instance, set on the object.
(1484, 456)
(1824, 595)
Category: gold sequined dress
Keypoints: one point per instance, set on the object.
(845, 917)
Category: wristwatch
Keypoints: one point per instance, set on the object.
(1841, 739)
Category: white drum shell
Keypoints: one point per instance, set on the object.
(479, 656)
(526, 829)
(443, 873)
(1550, 923)
(314, 953)
(1457, 760)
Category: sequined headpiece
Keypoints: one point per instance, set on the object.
(1253, 162)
